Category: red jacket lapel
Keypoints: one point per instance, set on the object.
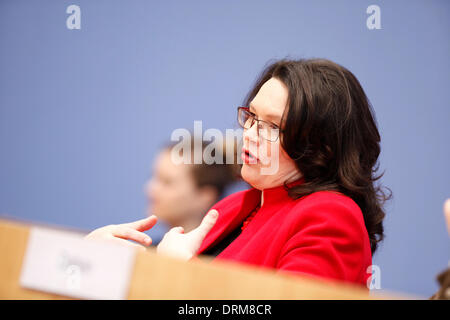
(232, 212)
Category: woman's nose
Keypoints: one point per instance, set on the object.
(251, 135)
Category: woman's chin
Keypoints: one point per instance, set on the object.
(251, 175)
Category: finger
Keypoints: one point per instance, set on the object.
(177, 230)
(447, 214)
(131, 234)
(142, 225)
(118, 241)
(207, 223)
(128, 243)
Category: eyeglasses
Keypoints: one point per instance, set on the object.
(266, 130)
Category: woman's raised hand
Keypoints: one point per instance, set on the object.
(184, 246)
(120, 233)
(175, 242)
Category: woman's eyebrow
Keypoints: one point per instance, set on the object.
(274, 118)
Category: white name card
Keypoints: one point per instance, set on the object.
(65, 263)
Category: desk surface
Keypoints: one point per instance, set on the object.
(160, 277)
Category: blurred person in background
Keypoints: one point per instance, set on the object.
(443, 278)
(179, 195)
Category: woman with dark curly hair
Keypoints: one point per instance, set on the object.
(310, 150)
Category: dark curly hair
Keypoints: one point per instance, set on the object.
(329, 129)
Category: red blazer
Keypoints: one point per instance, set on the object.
(322, 234)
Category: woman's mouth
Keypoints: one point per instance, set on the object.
(248, 157)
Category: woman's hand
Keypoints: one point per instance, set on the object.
(184, 246)
(120, 233)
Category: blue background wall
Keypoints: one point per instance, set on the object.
(83, 112)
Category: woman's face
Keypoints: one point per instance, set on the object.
(172, 193)
(272, 166)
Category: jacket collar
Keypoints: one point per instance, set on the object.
(279, 193)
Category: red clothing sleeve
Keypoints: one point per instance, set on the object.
(326, 238)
